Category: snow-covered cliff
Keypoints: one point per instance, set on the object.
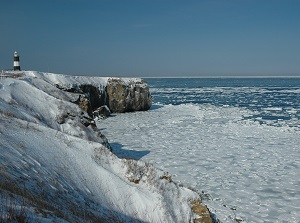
(119, 94)
(56, 165)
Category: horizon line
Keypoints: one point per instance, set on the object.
(248, 76)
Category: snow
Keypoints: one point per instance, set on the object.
(248, 170)
(67, 171)
(68, 80)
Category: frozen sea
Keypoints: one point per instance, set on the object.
(235, 140)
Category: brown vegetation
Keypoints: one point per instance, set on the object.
(201, 210)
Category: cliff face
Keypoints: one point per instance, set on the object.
(119, 95)
(127, 97)
(53, 152)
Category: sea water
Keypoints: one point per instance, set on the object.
(235, 140)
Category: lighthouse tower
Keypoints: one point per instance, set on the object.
(16, 61)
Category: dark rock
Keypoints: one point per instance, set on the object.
(61, 119)
(84, 104)
(96, 97)
(127, 97)
(119, 96)
(102, 111)
(72, 88)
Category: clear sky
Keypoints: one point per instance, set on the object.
(152, 37)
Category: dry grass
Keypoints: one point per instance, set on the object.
(21, 205)
(166, 177)
(201, 210)
(4, 75)
(17, 75)
(18, 199)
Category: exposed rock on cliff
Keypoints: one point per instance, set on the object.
(119, 94)
(84, 103)
(126, 97)
(102, 112)
(95, 97)
(88, 96)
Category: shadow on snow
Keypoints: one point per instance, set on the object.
(128, 154)
(154, 107)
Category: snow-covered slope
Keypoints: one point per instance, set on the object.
(62, 170)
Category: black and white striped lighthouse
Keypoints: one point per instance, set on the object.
(16, 61)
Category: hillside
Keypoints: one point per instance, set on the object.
(56, 166)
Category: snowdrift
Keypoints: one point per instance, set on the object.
(56, 165)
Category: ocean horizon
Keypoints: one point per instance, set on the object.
(223, 77)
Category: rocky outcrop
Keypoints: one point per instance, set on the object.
(202, 211)
(127, 97)
(102, 112)
(84, 103)
(96, 97)
(119, 95)
(88, 96)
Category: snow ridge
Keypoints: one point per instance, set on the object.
(55, 167)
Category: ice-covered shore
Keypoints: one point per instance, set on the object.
(55, 164)
(250, 171)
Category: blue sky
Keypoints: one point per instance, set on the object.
(152, 37)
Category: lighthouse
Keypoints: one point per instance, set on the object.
(16, 61)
